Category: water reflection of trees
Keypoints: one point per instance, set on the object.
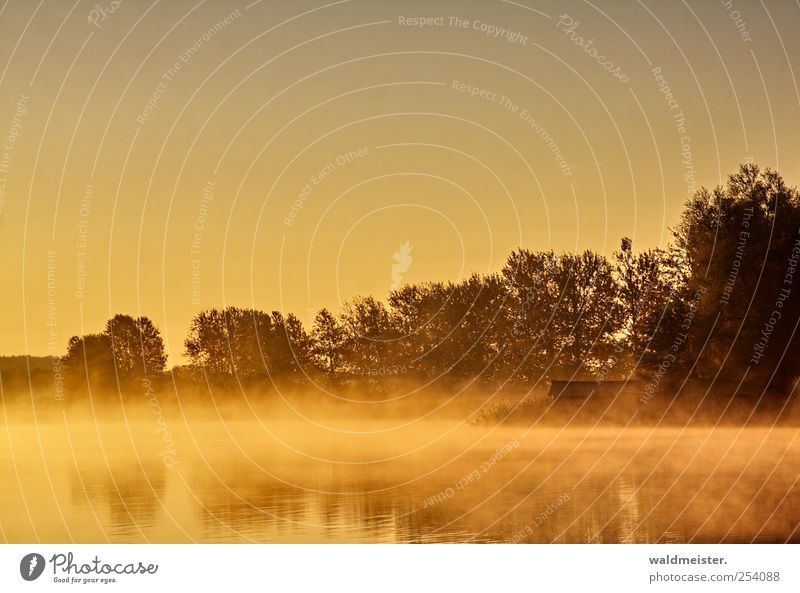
(126, 500)
(652, 499)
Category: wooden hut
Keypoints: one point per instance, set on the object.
(579, 390)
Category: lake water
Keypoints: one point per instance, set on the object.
(285, 481)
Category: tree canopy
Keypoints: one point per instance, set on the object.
(717, 304)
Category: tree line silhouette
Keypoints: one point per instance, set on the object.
(717, 305)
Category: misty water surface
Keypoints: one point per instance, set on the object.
(287, 481)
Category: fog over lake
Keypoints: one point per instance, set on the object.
(347, 480)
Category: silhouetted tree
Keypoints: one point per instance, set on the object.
(136, 345)
(475, 322)
(718, 303)
(290, 347)
(328, 339)
(89, 362)
(649, 284)
(421, 321)
(300, 341)
(250, 335)
(230, 342)
(208, 343)
(566, 317)
(368, 336)
(741, 244)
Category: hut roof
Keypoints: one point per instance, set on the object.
(584, 389)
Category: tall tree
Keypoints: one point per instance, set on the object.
(369, 336)
(89, 362)
(741, 245)
(232, 341)
(136, 345)
(474, 313)
(208, 345)
(250, 335)
(420, 321)
(328, 340)
(564, 316)
(649, 284)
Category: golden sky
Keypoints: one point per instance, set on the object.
(161, 157)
